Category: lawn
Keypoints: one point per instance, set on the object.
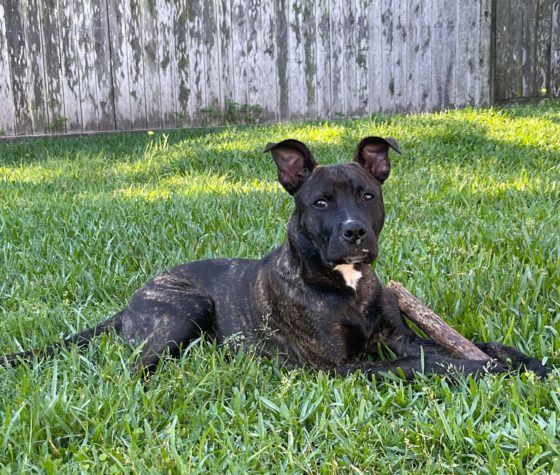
(472, 229)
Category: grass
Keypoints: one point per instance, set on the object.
(472, 228)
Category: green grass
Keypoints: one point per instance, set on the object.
(472, 228)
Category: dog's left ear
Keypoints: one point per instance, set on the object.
(372, 153)
(295, 163)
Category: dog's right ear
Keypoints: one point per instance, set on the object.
(294, 161)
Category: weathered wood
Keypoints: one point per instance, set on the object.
(7, 111)
(434, 326)
(197, 61)
(282, 57)
(53, 66)
(117, 19)
(555, 50)
(239, 39)
(338, 73)
(268, 61)
(83, 15)
(84, 65)
(102, 55)
(182, 60)
(424, 96)
(167, 62)
(150, 23)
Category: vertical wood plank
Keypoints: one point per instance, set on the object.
(296, 71)
(338, 72)
(438, 53)
(362, 33)
(83, 15)
(212, 56)
(515, 68)
(196, 62)
(53, 66)
(450, 19)
(427, 46)
(102, 55)
(268, 61)
(149, 24)
(226, 51)
(239, 36)
(528, 47)
(18, 67)
(472, 21)
(461, 59)
(182, 60)
(35, 65)
(543, 40)
(484, 54)
(323, 49)
(376, 67)
(387, 59)
(117, 15)
(413, 25)
(7, 110)
(283, 58)
(555, 50)
(348, 40)
(399, 55)
(167, 62)
(254, 71)
(501, 51)
(136, 84)
(309, 59)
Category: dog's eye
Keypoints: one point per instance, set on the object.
(367, 197)
(320, 204)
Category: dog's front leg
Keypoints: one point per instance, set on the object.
(429, 364)
(391, 329)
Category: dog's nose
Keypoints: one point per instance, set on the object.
(353, 231)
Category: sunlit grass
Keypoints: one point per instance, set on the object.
(472, 228)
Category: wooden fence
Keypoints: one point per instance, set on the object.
(93, 65)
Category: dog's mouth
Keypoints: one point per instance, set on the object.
(363, 256)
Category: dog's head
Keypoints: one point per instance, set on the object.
(339, 208)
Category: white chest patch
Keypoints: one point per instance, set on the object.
(351, 276)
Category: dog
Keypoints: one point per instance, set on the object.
(314, 301)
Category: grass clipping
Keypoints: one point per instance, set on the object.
(434, 326)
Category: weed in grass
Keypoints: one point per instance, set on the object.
(472, 229)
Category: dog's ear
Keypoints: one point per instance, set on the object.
(295, 163)
(372, 153)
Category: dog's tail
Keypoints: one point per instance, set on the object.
(79, 339)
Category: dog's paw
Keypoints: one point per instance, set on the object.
(514, 359)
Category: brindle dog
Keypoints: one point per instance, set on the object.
(315, 300)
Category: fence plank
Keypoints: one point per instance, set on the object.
(338, 78)
(438, 54)
(167, 62)
(323, 52)
(150, 24)
(282, 56)
(254, 71)
(182, 61)
(269, 97)
(102, 59)
(484, 54)
(528, 48)
(7, 110)
(36, 70)
(376, 65)
(117, 15)
(239, 37)
(296, 54)
(86, 63)
(136, 83)
(349, 56)
(555, 50)
(18, 66)
(425, 98)
(212, 78)
(543, 42)
(53, 66)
